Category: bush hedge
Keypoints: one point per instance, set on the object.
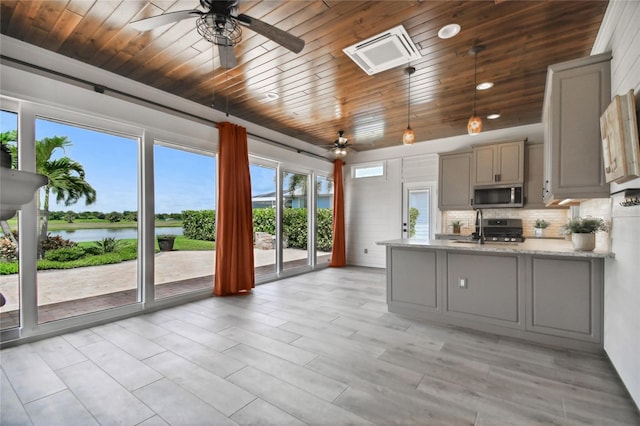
(200, 225)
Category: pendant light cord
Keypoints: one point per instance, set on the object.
(475, 82)
(409, 97)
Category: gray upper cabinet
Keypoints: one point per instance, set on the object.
(576, 94)
(500, 164)
(454, 191)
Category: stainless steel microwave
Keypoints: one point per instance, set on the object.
(497, 196)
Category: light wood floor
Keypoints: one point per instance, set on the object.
(314, 349)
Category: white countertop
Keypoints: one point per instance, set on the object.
(549, 247)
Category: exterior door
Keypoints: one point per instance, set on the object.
(417, 215)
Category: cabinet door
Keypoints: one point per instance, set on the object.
(564, 297)
(484, 165)
(484, 287)
(577, 93)
(454, 189)
(501, 163)
(413, 274)
(533, 183)
(510, 161)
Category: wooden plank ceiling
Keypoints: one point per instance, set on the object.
(320, 89)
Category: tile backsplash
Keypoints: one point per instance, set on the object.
(556, 218)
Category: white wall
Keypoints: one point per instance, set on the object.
(620, 34)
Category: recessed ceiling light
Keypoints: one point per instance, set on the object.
(484, 85)
(272, 96)
(449, 31)
(493, 116)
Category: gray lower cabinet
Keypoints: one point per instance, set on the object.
(484, 286)
(565, 297)
(554, 300)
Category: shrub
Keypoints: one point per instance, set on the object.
(54, 242)
(413, 219)
(199, 224)
(325, 230)
(108, 245)
(264, 220)
(8, 268)
(66, 254)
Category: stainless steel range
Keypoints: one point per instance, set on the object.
(502, 230)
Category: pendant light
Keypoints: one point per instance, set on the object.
(408, 137)
(474, 126)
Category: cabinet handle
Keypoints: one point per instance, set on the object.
(496, 178)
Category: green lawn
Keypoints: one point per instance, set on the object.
(127, 251)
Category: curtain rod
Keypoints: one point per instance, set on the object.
(102, 89)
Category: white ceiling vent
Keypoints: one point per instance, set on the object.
(387, 50)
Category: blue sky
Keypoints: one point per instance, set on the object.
(184, 180)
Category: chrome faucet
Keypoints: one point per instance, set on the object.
(479, 229)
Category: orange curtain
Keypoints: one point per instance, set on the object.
(338, 256)
(234, 272)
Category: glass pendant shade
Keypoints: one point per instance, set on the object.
(408, 137)
(474, 126)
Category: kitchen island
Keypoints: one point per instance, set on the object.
(538, 290)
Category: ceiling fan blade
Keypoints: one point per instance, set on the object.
(152, 22)
(227, 57)
(283, 38)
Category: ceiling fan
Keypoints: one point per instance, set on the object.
(220, 25)
(340, 147)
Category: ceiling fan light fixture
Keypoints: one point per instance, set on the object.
(408, 136)
(219, 30)
(449, 31)
(271, 96)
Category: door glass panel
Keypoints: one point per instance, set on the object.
(263, 203)
(295, 220)
(185, 197)
(88, 220)
(419, 202)
(9, 271)
(324, 219)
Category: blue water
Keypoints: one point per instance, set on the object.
(82, 235)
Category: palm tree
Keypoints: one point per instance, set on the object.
(66, 177)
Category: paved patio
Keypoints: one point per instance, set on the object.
(64, 293)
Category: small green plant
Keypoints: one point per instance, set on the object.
(584, 225)
(456, 223)
(541, 224)
(165, 236)
(108, 245)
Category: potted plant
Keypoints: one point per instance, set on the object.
(583, 231)
(539, 226)
(165, 241)
(456, 224)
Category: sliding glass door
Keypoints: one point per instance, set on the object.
(295, 220)
(88, 220)
(185, 201)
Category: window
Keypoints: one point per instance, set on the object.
(368, 170)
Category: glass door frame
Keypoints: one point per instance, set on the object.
(407, 187)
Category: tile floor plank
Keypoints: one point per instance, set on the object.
(61, 408)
